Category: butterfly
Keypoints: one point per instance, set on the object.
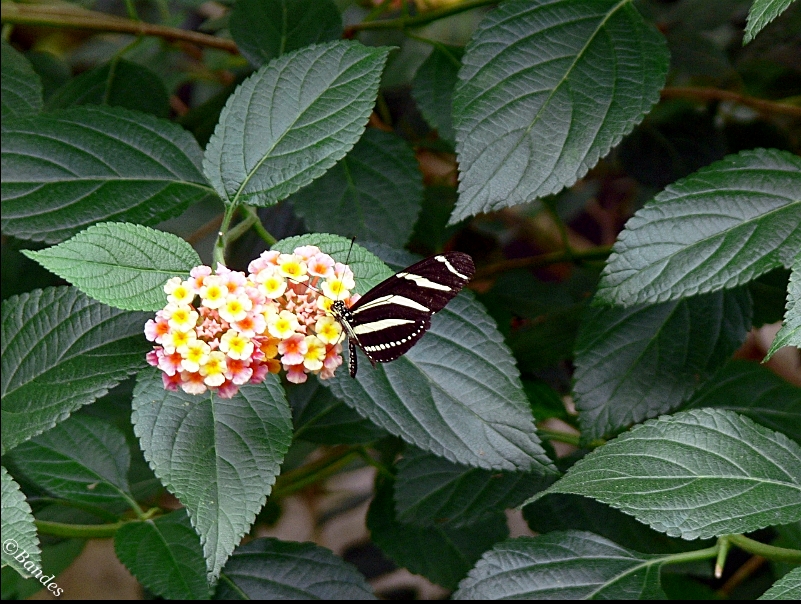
(390, 318)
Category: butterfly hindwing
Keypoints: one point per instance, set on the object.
(390, 318)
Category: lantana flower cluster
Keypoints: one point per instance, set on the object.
(222, 329)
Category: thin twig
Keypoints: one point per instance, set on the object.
(716, 94)
(78, 18)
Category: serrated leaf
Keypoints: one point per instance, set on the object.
(20, 85)
(266, 29)
(457, 394)
(60, 351)
(20, 542)
(441, 554)
(83, 459)
(721, 227)
(165, 556)
(63, 172)
(374, 193)
(786, 588)
(220, 457)
(320, 417)
(118, 83)
(433, 84)
(640, 362)
(123, 265)
(269, 569)
(432, 491)
(292, 120)
(559, 512)
(790, 333)
(696, 474)
(546, 89)
(755, 391)
(570, 565)
(761, 13)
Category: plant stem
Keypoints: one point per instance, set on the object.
(222, 236)
(694, 556)
(259, 227)
(78, 505)
(73, 17)
(562, 437)
(317, 471)
(771, 552)
(716, 94)
(598, 253)
(89, 531)
(419, 19)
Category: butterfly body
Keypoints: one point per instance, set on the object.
(390, 318)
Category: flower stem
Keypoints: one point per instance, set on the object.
(259, 227)
(222, 236)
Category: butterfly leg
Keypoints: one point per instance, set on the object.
(352, 358)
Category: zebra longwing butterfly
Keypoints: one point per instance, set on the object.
(390, 318)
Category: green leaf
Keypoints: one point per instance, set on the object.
(266, 29)
(456, 394)
(721, 227)
(697, 474)
(786, 588)
(431, 491)
(60, 351)
(570, 565)
(755, 391)
(118, 83)
(63, 172)
(761, 13)
(269, 569)
(165, 556)
(640, 362)
(560, 512)
(546, 89)
(441, 554)
(220, 457)
(433, 86)
(374, 193)
(123, 265)
(790, 333)
(20, 86)
(82, 459)
(320, 417)
(20, 542)
(292, 120)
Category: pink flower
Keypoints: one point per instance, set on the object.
(292, 350)
(295, 373)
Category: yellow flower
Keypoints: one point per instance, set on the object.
(213, 370)
(335, 288)
(235, 308)
(313, 359)
(194, 354)
(236, 345)
(177, 339)
(328, 330)
(282, 325)
(292, 267)
(271, 284)
(181, 318)
(214, 292)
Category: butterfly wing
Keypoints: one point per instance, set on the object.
(390, 318)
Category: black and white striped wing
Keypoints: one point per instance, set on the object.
(390, 318)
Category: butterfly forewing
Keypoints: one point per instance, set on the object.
(390, 318)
